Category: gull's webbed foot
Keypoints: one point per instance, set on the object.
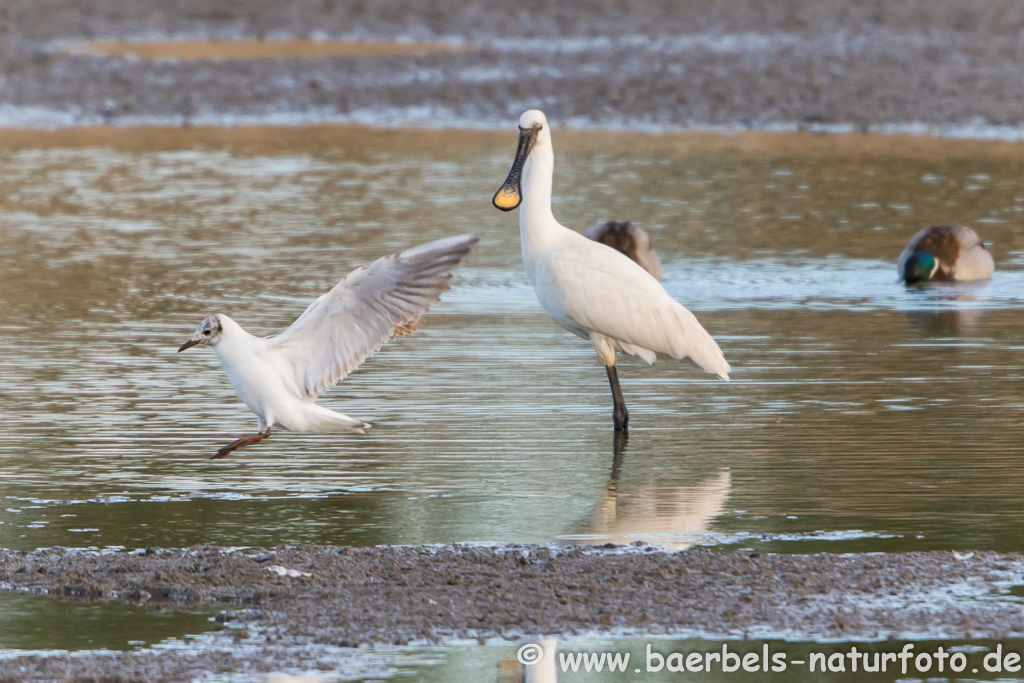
(240, 443)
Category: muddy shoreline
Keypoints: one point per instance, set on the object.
(351, 597)
(654, 65)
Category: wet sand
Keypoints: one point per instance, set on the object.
(356, 139)
(656, 64)
(401, 595)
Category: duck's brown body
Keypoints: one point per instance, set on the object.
(630, 240)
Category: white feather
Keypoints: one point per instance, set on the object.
(350, 323)
(596, 292)
(279, 377)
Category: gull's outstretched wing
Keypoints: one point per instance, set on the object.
(371, 305)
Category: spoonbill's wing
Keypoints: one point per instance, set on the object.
(373, 304)
(603, 291)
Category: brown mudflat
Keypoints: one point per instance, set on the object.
(353, 596)
(737, 64)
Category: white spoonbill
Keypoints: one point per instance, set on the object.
(592, 290)
(279, 378)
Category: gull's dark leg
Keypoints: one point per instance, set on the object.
(240, 443)
(621, 414)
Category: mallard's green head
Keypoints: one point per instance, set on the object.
(919, 267)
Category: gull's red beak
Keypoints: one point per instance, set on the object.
(188, 345)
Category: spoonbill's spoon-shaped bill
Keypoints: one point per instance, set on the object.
(591, 290)
(510, 194)
(280, 377)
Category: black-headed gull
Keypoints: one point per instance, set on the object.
(592, 291)
(279, 378)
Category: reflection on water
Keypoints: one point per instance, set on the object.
(537, 663)
(861, 410)
(945, 323)
(649, 508)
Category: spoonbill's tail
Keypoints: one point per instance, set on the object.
(681, 337)
(698, 346)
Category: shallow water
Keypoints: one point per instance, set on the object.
(36, 623)
(862, 416)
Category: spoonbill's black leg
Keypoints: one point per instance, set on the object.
(621, 414)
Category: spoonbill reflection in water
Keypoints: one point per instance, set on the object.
(591, 290)
(534, 663)
(654, 509)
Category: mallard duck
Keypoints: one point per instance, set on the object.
(630, 240)
(945, 253)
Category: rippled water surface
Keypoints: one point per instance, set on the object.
(862, 416)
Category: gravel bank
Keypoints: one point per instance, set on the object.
(398, 595)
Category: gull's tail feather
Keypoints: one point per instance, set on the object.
(320, 419)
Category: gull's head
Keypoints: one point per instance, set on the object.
(533, 131)
(208, 333)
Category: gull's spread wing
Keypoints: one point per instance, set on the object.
(371, 305)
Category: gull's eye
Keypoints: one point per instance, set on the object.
(206, 331)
